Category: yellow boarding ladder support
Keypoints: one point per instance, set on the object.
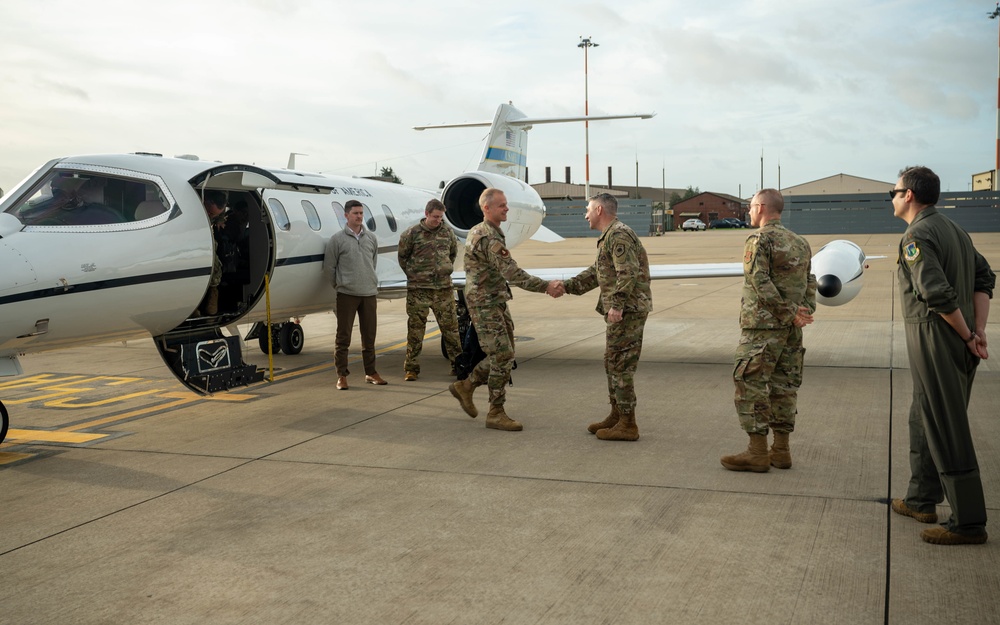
(270, 347)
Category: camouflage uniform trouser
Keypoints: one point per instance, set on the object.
(496, 336)
(418, 303)
(768, 374)
(623, 345)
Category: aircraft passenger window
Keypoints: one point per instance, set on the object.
(84, 198)
(389, 217)
(338, 210)
(311, 215)
(278, 211)
(369, 218)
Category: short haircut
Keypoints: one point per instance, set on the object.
(772, 199)
(216, 197)
(434, 205)
(924, 183)
(487, 197)
(608, 202)
(351, 204)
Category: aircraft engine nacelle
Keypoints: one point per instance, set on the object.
(839, 268)
(461, 198)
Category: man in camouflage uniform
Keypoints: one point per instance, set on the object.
(488, 269)
(779, 297)
(426, 254)
(945, 287)
(215, 206)
(622, 272)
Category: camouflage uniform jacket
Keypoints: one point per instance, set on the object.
(489, 267)
(939, 269)
(777, 278)
(427, 256)
(621, 270)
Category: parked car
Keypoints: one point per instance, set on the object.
(737, 223)
(693, 224)
(724, 223)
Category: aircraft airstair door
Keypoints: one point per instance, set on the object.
(207, 361)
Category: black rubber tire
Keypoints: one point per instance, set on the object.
(4, 422)
(275, 343)
(292, 338)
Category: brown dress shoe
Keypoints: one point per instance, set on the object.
(899, 507)
(941, 536)
(342, 383)
(410, 377)
(375, 379)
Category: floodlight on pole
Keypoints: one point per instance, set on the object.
(586, 44)
(996, 172)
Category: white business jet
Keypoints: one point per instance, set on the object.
(113, 247)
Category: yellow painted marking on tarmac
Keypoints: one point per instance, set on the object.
(67, 402)
(129, 415)
(9, 457)
(34, 380)
(47, 436)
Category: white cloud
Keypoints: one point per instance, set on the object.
(858, 86)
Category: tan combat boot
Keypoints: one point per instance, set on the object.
(754, 459)
(609, 422)
(624, 430)
(462, 390)
(497, 419)
(781, 456)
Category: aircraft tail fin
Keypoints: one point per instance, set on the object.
(506, 150)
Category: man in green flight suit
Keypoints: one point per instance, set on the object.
(622, 272)
(488, 269)
(945, 287)
(779, 297)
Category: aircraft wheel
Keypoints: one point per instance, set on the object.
(5, 422)
(292, 338)
(275, 341)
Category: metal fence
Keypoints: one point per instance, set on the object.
(861, 213)
(566, 217)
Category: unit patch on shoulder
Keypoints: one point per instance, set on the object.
(750, 251)
(911, 252)
(620, 249)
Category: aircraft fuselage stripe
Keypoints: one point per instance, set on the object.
(101, 285)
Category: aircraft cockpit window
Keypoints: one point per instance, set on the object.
(312, 217)
(389, 217)
(338, 210)
(85, 198)
(369, 218)
(278, 211)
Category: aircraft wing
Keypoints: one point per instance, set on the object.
(656, 272)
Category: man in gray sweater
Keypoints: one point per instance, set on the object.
(349, 264)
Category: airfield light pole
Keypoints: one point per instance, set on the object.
(996, 172)
(586, 44)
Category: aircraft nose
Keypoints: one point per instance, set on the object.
(829, 285)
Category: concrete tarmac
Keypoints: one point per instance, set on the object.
(127, 499)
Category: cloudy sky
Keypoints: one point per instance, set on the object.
(861, 87)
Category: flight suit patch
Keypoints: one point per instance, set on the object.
(911, 252)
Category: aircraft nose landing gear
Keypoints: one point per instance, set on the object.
(286, 337)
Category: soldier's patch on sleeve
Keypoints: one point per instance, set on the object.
(911, 252)
(620, 249)
(750, 250)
